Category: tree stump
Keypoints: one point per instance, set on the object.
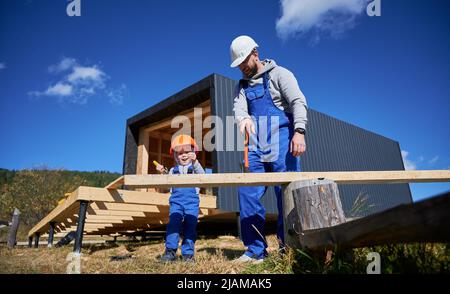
(310, 205)
(13, 229)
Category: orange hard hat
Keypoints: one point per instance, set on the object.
(181, 140)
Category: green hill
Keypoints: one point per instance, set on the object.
(35, 192)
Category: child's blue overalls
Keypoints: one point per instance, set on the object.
(183, 214)
(252, 212)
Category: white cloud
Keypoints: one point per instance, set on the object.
(78, 83)
(329, 17)
(65, 64)
(83, 74)
(409, 164)
(116, 96)
(59, 89)
(433, 160)
(2, 65)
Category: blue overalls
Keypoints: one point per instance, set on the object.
(252, 212)
(183, 214)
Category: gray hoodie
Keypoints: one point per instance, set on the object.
(286, 94)
(183, 169)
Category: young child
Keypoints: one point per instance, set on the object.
(184, 202)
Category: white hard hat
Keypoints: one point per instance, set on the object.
(240, 48)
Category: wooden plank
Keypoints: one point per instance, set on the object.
(134, 197)
(142, 156)
(116, 183)
(101, 212)
(160, 151)
(126, 207)
(424, 221)
(90, 227)
(101, 221)
(275, 179)
(203, 211)
(159, 222)
(118, 228)
(107, 217)
(143, 222)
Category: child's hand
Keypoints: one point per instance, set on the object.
(160, 168)
(193, 156)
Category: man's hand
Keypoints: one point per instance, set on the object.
(193, 156)
(247, 124)
(298, 145)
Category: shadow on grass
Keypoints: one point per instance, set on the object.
(129, 245)
(104, 246)
(229, 254)
(133, 245)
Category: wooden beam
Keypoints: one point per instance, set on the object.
(92, 225)
(126, 207)
(132, 227)
(87, 226)
(275, 179)
(103, 221)
(116, 183)
(142, 156)
(134, 197)
(101, 212)
(424, 221)
(107, 217)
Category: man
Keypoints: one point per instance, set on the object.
(270, 106)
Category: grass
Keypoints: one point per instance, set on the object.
(215, 255)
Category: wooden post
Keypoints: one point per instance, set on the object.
(308, 205)
(30, 242)
(36, 239)
(50, 234)
(13, 229)
(80, 226)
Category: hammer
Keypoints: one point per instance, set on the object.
(246, 141)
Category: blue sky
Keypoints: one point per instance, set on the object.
(68, 84)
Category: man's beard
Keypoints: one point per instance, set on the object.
(253, 71)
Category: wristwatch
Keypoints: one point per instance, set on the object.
(300, 131)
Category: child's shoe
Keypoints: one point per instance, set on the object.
(168, 256)
(247, 257)
(188, 258)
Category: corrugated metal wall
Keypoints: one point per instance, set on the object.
(333, 145)
(222, 96)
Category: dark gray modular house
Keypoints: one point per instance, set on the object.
(333, 145)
